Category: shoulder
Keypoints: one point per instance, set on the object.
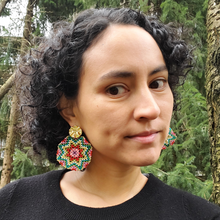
(196, 206)
(30, 190)
(6, 194)
(193, 207)
(31, 183)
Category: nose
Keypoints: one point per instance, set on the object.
(146, 106)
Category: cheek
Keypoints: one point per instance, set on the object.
(167, 111)
(102, 119)
(167, 105)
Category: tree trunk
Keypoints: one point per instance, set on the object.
(125, 3)
(10, 144)
(158, 10)
(213, 91)
(14, 115)
(26, 40)
(2, 5)
(7, 85)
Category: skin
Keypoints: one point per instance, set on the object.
(124, 107)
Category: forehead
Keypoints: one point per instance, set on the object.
(118, 35)
(122, 47)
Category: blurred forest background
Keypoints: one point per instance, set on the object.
(186, 164)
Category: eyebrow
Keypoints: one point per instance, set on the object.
(159, 69)
(117, 74)
(126, 74)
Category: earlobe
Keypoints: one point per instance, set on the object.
(65, 107)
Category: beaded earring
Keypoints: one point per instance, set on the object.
(170, 139)
(74, 152)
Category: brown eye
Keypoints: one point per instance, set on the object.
(157, 84)
(113, 91)
(116, 90)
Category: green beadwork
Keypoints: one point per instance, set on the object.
(74, 154)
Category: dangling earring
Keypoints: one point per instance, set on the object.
(170, 139)
(74, 152)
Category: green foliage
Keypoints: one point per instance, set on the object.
(6, 12)
(144, 5)
(54, 10)
(4, 116)
(100, 3)
(189, 17)
(9, 51)
(173, 11)
(8, 58)
(181, 177)
(24, 166)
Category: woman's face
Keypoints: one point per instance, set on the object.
(124, 105)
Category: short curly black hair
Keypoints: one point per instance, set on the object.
(53, 69)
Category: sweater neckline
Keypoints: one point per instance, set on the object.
(120, 211)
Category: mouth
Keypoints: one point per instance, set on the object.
(145, 137)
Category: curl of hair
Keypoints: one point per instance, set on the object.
(53, 69)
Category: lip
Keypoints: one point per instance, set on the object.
(145, 137)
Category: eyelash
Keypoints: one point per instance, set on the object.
(164, 81)
(161, 80)
(116, 86)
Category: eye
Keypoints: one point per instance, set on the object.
(158, 84)
(116, 90)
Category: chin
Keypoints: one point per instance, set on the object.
(149, 159)
(147, 163)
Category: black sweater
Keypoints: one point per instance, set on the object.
(40, 198)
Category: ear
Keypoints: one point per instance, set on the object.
(66, 107)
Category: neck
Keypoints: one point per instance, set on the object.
(110, 179)
(105, 182)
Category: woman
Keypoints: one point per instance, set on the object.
(109, 77)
